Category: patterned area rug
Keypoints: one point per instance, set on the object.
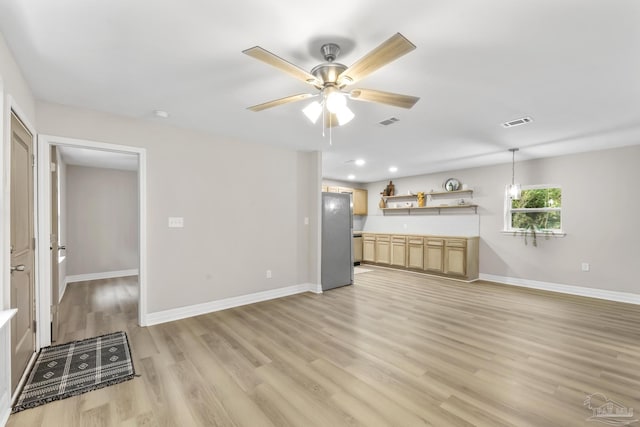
(77, 367)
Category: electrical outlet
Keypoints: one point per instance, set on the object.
(268, 274)
(176, 222)
(306, 220)
(586, 266)
(404, 226)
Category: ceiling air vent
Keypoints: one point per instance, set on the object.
(389, 121)
(517, 122)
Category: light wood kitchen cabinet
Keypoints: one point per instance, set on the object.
(459, 259)
(454, 257)
(357, 249)
(383, 249)
(369, 248)
(399, 251)
(360, 201)
(415, 253)
(434, 255)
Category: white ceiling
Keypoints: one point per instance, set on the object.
(571, 65)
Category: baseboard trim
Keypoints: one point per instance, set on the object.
(316, 289)
(564, 289)
(103, 275)
(4, 415)
(223, 304)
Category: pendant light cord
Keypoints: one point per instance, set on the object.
(513, 167)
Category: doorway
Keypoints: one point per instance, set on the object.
(89, 149)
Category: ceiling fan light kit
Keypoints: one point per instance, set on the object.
(330, 78)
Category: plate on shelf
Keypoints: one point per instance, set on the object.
(451, 184)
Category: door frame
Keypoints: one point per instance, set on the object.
(44, 215)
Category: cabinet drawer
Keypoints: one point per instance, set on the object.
(415, 240)
(399, 239)
(434, 242)
(382, 238)
(369, 237)
(456, 243)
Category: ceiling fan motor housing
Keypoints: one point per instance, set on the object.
(328, 73)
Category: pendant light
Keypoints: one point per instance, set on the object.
(514, 189)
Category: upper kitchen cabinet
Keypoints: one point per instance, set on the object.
(360, 198)
(360, 201)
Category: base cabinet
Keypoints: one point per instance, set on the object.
(383, 253)
(368, 248)
(399, 251)
(455, 257)
(416, 253)
(434, 255)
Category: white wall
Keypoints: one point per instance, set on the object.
(242, 205)
(599, 217)
(102, 220)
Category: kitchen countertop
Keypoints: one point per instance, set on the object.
(412, 234)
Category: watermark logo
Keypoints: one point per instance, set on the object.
(608, 411)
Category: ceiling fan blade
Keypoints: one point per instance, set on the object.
(277, 102)
(275, 61)
(395, 99)
(388, 51)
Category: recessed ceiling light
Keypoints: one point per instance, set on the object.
(393, 169)
(360, 162)
(161, 114)
(351, 176)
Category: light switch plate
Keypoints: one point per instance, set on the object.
(176, 222)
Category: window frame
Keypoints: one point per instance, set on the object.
(508, 210)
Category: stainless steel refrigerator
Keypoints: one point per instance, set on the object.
(337, 237)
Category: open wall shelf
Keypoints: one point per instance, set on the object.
(433, 208)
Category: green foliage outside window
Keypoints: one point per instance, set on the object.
(542, 203)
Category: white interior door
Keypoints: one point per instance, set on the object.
(23, 341)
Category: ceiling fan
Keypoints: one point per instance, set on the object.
(331, 79)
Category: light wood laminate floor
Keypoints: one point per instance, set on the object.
(396, 349)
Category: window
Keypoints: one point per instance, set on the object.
(539, 209)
